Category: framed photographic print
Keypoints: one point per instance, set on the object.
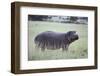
(52, 37)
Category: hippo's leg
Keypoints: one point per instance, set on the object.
(43, 47)
(65, 48)
(36, 47)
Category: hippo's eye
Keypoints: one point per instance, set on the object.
(74, 31)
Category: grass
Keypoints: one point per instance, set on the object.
(77, 49)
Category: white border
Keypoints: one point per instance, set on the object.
(25, 64)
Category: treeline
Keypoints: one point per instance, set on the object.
(62, 19)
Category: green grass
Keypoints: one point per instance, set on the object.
(77, 49)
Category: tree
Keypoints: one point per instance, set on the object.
(73, 19)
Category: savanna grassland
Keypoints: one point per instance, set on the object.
(77, 49)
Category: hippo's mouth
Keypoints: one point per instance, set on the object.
(75, 37)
